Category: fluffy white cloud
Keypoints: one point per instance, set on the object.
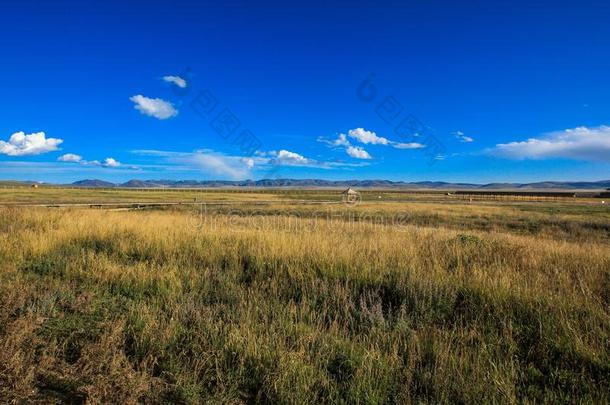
(287, 158)
(70, 157)
(110, 162)
(370, 137)
(357, 152)
(177, 80)
(20, 144)
(367, 137)
(582, 143)
(154, 107)
(462, 138)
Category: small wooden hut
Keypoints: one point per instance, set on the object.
(351, 196)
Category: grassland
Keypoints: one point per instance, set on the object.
(397, 300)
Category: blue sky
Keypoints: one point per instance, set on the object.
(481, 92)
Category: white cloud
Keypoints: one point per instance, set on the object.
(582, 143)
(367, 137)
(462, 138)
(288, 158)
(357, 152)
(177, 80)
(70, 157)
(411, 145)
(370, 137)
(154, 107)
(110, 162)
(20, 144)
(107, 163)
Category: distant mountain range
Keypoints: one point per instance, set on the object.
(273, 183)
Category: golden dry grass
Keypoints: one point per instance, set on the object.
(450, 303)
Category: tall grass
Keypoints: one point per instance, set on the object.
(131, 307)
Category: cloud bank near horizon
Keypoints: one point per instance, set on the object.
(581, 143)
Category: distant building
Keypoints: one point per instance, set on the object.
(351, 196)
(34, 185)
